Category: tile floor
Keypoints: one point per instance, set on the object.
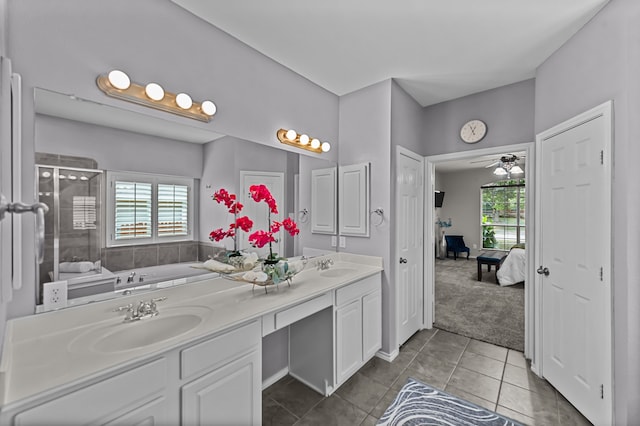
(491, 376)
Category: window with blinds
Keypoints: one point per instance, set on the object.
(173, 210)
(144, 209)
(133, 209)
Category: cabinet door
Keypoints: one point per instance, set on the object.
(150, 414)
(323, 201)
(353, 204)
(371, 324)
(348, 340)
(230, 395)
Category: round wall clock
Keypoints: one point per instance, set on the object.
(473, 131)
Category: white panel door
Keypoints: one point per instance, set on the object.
(259, 212)
(575, 266)
(409, 250)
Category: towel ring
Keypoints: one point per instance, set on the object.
(303, 216)
(380, 219)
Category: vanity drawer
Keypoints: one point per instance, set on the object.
(303, 310)
(357, 289)
(200, 358)
(102, 400)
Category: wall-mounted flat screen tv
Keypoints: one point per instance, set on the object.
(439, 198)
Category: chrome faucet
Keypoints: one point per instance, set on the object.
(144, 309)
(130, 277)
(324, 264)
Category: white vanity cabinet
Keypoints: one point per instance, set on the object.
(137, 396)
(224, 379)
(358, 325)
(217, 381)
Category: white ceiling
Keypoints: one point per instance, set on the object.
(479, 162)
(436, 50)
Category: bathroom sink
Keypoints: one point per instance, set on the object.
(124, 336)
(337, 272)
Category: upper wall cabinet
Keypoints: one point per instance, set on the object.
(353, 204)
(323, 201)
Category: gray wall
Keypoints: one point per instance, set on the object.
(462, 204)
(599, 63)
(507, 110)
(365, 137)
(64, 45)
(3, 31)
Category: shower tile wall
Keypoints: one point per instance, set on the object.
(123, 258)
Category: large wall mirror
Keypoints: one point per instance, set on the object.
(86, 152)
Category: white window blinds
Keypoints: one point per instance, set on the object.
(133, 210)
(173, 210)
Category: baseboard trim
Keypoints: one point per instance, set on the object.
(274, 378)
(388, 357)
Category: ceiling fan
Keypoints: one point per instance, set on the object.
(505, 165)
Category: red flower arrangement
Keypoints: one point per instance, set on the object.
(222, 196)
(261, 238)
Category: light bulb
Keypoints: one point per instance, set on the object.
(315, 144)
(291, 135)
(73, 177)
(84, 178)
(208, 108)
(154, 91)
(184, 101)
(46, 174)
(119, 80)
(517, 170)
(499, 171)
(304, 139)
(326, 146)
(62, 177)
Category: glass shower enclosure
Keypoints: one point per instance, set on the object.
(73, 228)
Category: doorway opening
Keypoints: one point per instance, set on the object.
(486, 229)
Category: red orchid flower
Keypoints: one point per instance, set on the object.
(261, 238)
(244, 223)
(290, 226)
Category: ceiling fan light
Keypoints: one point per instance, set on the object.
(517, 170)
(499, 171)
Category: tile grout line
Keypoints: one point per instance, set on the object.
(285, 409)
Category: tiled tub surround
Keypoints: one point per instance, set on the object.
(39, 358)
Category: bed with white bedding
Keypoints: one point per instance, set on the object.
(513, 269)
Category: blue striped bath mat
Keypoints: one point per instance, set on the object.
(419, 404)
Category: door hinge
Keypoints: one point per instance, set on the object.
(601, 274)
(601, 391)
(602, 157)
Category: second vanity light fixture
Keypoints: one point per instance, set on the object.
(291, 137)
(118, 85)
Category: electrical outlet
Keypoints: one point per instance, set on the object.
(334, 241)
(54, 295)
(343, 242)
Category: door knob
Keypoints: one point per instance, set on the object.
(403, 260)
(543, 271)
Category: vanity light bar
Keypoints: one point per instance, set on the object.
(291, 137)
(118, 85)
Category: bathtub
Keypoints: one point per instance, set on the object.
(114, 284)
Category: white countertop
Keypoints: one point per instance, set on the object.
(45, 351)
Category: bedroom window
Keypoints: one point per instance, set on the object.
(503, 214)
(147, 209)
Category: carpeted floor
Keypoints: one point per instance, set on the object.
(482, 310)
